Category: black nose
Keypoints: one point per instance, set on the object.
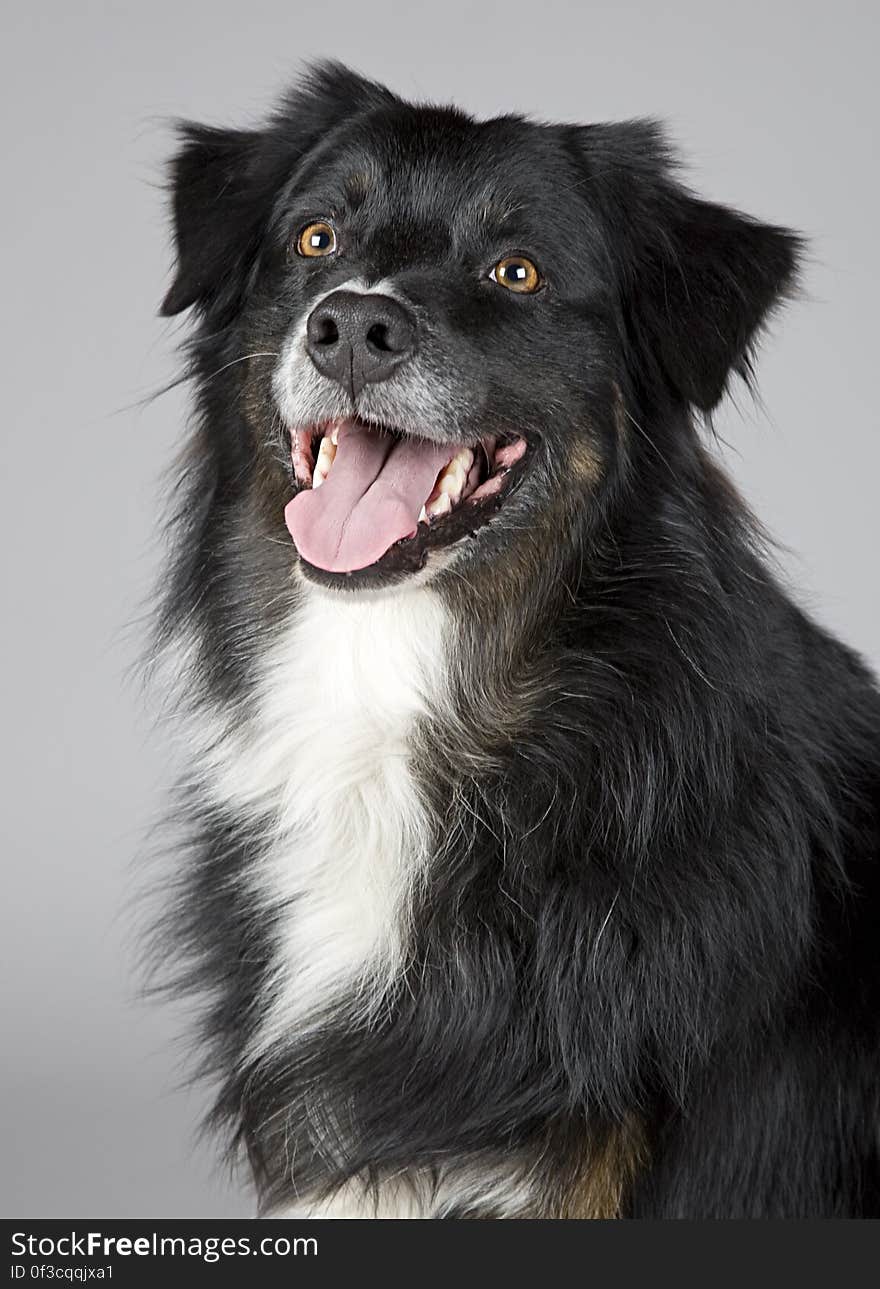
(359, 339)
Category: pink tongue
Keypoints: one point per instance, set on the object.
(370, 499)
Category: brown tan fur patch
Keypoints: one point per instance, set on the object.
(584, 463)
(357, 188)
(609, 1169)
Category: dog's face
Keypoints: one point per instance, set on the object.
(444, 329)
(453, 325)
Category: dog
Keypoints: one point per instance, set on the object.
(533, 831)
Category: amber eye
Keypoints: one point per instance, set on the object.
(517, 274)
(316, 239)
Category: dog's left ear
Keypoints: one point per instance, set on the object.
(697, 280)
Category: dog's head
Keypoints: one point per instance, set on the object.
(455, 331)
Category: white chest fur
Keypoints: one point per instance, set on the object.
(327, 751)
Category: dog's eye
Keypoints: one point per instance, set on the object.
(517, 273)
(316, 240)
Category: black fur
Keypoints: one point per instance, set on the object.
(657, 896)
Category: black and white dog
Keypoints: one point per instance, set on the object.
(534, 831)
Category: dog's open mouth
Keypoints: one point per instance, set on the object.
(371, 496)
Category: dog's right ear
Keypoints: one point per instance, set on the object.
(223, 184)
(218, 205)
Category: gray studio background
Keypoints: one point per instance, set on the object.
(775, 106)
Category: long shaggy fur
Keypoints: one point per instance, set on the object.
(630, 962)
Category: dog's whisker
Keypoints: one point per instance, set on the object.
(243, 359)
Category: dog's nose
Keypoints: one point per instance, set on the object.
(359, 339)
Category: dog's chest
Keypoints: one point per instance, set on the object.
(330, 747)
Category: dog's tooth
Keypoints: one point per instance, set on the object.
(465, 458)
(325, 458)
(423, 516)
(334, 435)
(439, 506)
(449, 486)
(453, 478)
(450, 483)
(473, 478)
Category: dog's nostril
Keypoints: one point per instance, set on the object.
(326, 332)
(378, 337)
